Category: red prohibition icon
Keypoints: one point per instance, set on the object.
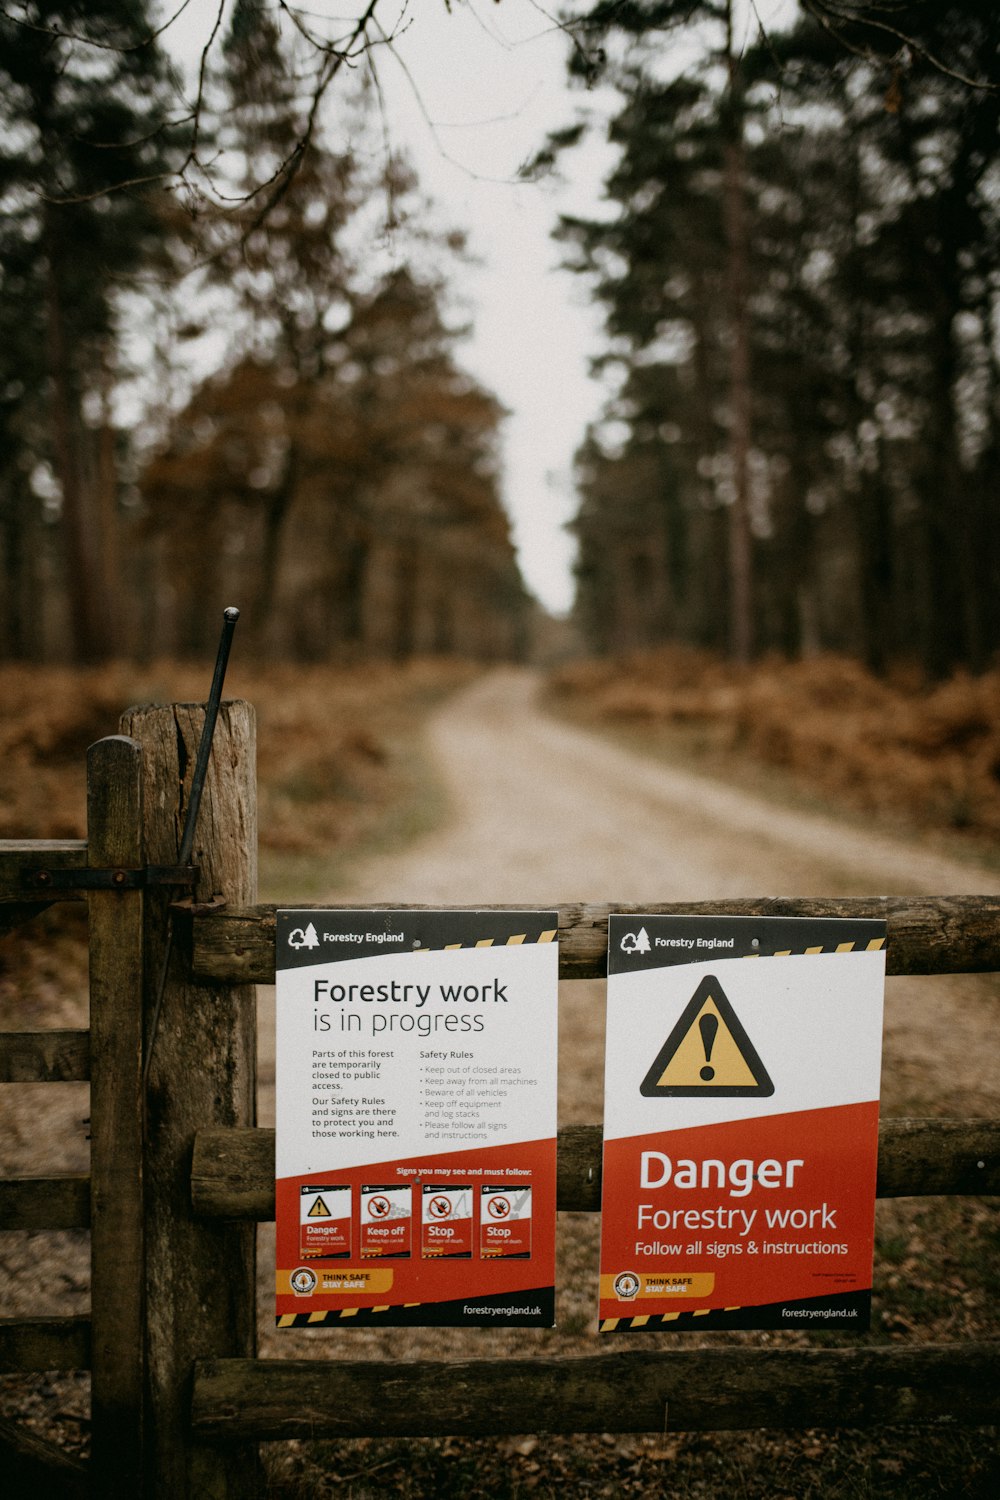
(440, 1208)
(499, 1207)
(378, 1207)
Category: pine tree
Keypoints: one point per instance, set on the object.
(84, 95)
(869, 290)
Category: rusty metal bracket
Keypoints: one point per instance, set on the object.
(87, 879)
(188, 907)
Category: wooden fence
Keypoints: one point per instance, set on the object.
(180, 1176)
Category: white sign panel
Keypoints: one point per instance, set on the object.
(416, 1117)
(741, 1122)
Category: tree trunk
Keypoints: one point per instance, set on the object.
(86, 585)
(737, 288)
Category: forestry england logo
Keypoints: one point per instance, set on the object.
(636, 942)
(303, 937)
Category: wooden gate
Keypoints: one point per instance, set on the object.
(180, 1176)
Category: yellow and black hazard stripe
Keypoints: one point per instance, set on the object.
(514, 940)
(866, 945)
(327, 1317)
(652, 1322)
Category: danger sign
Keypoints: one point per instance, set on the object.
(708, 1052)
(741, 1122)
(447, 1222)
(324, 1221)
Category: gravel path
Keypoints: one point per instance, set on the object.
(542, 812)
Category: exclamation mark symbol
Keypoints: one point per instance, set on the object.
(708, 1026)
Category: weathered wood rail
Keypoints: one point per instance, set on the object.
(232, 1171)
(694, 1390)
(926, 934)
(180, 1177)
(44, 1056)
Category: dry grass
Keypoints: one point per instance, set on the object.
(929, 754)
(335, 745)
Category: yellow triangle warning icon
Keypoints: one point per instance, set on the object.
(319, 1210)
(707, 1052)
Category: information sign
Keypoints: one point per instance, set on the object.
(740, 1122)
(416, 1117)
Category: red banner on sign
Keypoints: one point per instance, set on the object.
(474, 1214)
(743, 1214)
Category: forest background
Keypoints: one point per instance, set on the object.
(231, 372)
(230, 363)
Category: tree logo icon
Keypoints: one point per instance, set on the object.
(636, 942)
(303, 937)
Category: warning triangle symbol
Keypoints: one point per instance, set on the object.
(708, 1053)
(319, 1210)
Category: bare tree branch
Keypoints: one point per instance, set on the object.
(201, 179)
(105, 192)
(591, 62)
(835, 18)
(91, 41)
(140, 140)
(334, 62)
(200, 95)
(334, 55)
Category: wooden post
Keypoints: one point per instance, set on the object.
(200, 1277)
(114, 827)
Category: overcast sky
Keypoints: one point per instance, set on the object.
(470, 94)
(491, 80)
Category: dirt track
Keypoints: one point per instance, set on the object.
(541, 812)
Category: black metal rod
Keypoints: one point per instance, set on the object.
(230, 617)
